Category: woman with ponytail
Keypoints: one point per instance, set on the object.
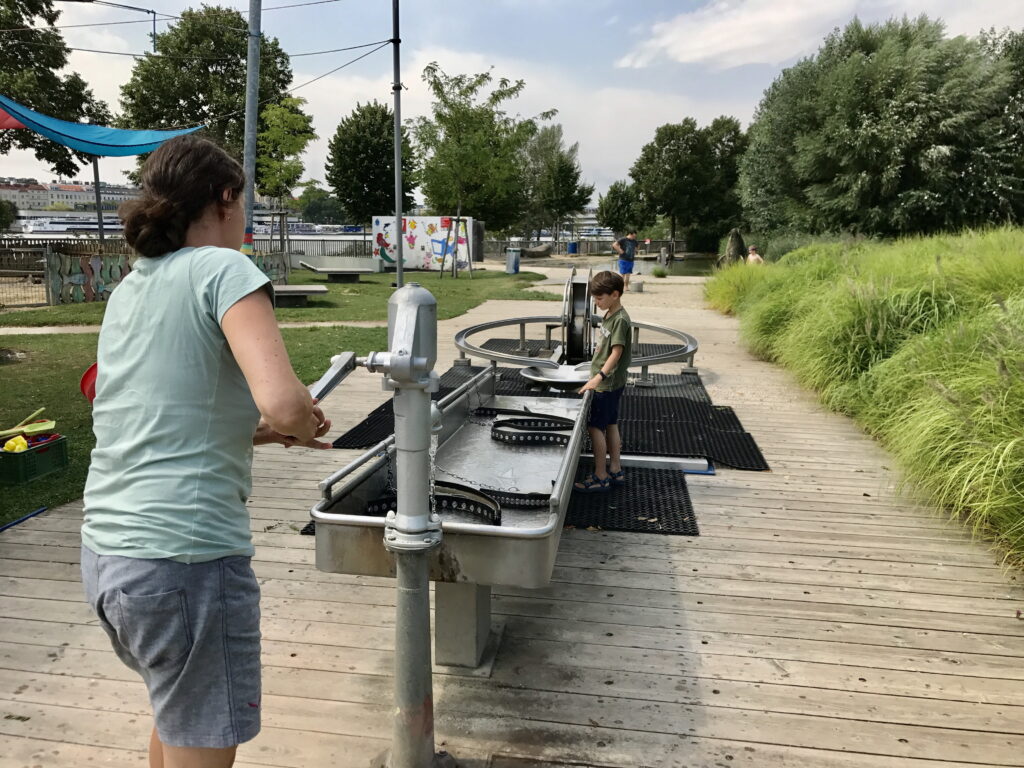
(192, 373)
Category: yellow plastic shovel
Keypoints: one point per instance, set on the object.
(23, 427)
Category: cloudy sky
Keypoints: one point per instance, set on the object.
(613, 69)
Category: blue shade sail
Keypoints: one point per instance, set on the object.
(90, 139)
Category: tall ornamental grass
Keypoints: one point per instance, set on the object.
(921, 340)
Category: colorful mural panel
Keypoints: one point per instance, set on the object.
(429, 242)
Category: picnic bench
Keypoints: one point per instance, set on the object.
(296, 295)
(338, 275)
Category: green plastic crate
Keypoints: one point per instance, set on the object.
(24, 467)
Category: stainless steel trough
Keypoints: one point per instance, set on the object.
(473, 554)
(520, 552)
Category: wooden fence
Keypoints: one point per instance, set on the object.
(41, 272)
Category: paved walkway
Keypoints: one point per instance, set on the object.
(821, 620)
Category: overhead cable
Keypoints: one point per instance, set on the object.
(237, 112)
(160, 17)
(148, 55)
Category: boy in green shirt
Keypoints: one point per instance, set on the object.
(608, 372)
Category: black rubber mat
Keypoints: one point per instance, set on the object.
(688, 386)
(683, 439)
(677, 409)
(651, 501)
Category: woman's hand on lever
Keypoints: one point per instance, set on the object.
(265, 435)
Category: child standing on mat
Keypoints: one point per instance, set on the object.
(608, 372)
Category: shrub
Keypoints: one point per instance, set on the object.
(950, 406)
(659, 272)
(921, 340)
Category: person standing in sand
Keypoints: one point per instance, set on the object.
(626, 249)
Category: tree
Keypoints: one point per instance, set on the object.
(8, 214)
(30, 74)
(668, 172)
(622, 208)
(688, 174)
(199, 78)
(472, 149)
(726, 143)
(361, 163)
(287, 131)
(889, 129)
(318, 206)
(561, 193)
(552, 176)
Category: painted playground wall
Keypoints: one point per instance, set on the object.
(428, 242)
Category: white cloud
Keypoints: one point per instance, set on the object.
(611, 123)
(732, 33)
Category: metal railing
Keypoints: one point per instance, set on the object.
(315, 246)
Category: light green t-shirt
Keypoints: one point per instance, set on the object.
(173, 415)
(614, 330)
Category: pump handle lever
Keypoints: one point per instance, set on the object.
(341, 366)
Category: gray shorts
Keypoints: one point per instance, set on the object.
(193, 632)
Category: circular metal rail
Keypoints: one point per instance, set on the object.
(576, 323)
(687, 349)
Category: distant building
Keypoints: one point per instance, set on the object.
(25, 194)
(30, 195)
(72, 196)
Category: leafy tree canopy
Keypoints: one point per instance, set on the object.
(30, 73)
(319, 206)
(472, 148)
(688, 174)
(890, 129)
(287, 130)
(361, 163)
(555, 190)
(622, 208)
(199, 77)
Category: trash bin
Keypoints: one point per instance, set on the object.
(512, 260)
(572, 249)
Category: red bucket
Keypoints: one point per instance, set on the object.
(88, 383)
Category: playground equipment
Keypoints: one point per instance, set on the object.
(470, 491)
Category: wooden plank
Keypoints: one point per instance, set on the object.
(483, 711)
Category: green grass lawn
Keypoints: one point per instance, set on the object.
(49, 377)
(365, 300)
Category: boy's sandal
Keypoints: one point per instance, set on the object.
(592, 484)
(617, 478)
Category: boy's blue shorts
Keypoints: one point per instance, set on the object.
(604, 409)
(625, 267)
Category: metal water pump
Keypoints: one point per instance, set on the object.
(413, 530)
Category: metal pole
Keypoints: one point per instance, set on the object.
(396, 87)
(252, 99)
(412, 530)
(99, 197)
(413, 736)
(154, 30)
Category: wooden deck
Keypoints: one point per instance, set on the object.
(821, 620)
